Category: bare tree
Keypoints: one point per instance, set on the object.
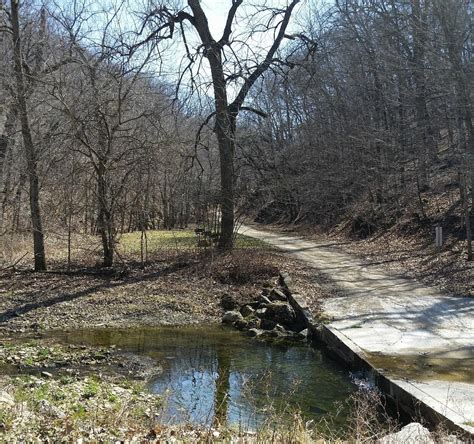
(29, 147)
(219, 52)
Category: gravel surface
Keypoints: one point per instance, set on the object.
(411, 255)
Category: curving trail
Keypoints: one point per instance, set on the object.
(420, 338)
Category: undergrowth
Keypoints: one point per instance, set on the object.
(68, 409)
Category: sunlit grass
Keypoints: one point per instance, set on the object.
(87, 248)
(129, 243)
(177, 240)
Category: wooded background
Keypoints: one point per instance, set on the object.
(361, 117)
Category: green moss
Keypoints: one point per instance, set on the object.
(79, 411)
(424, 367)
(66, 379)
(43, 353)
(112, 397)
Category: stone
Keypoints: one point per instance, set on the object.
(282, 332)
(261, 313)
(280, 328)
(247, 310)
(46, 375)
(254, 332)
(253, 322)
(411, 433)
(265, 334)
(6, 399)
(280, 313)
(285, 280)
(263, 300)
(47, 408)
(228, 302)
(272, 334)
(303, 334)
(241, 324)
(231, 316)
(277, 295)
(267, 324)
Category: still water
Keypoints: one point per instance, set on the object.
(214, 374)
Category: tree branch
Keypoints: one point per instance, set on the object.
(201, 24)
(259, 112)
(169, 24)
(201, 127)
(236, 105)
(228, 25)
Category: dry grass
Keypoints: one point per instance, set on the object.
(244, 267)
(17, 248)
(72, 408)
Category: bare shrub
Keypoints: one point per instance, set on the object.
(243, 267)
(369, 419)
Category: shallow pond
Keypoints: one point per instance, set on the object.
(213, 374)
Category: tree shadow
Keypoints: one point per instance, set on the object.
(24, 308)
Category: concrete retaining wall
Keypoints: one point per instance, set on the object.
(340, 347)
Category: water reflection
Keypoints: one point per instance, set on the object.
(215, 375)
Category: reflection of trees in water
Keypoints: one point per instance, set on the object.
(271, 393)
(222, 389)
(199, 380)
(241, 385)
(214, 377)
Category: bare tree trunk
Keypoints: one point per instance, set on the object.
(226, 152)
(105, 221)
(6, 137)
(17, 204)
(6, 145)
(424, 132)
(465, 112)
(221, 393)
(30, 151)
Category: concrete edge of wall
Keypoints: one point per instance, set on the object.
(351, 355)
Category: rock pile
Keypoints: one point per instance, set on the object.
(269, 316)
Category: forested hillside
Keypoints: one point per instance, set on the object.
(376, 128)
